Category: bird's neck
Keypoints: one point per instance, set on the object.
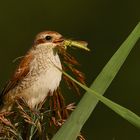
(46, 57)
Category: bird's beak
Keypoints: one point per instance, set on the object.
(58, 40)
(78, 44)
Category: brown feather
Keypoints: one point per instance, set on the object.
(19, 74)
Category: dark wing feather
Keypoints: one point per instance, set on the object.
(19, 74)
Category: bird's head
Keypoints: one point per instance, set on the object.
(49, 38)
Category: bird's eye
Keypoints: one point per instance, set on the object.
(48, 37)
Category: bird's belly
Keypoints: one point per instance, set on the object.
(46, 82)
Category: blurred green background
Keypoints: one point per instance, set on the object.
(104, 25)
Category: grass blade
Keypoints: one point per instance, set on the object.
(124, 112)
(73, 125)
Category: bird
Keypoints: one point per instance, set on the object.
(37, 74)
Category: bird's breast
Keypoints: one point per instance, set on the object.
(44, 76)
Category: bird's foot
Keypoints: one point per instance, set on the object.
(3, 118)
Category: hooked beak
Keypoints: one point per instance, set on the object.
(78, 44)
(59, 40)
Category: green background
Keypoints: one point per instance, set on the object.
(104, 25)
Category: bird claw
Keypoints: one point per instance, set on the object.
(3, 119)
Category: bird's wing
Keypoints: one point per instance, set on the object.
(19, 74)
